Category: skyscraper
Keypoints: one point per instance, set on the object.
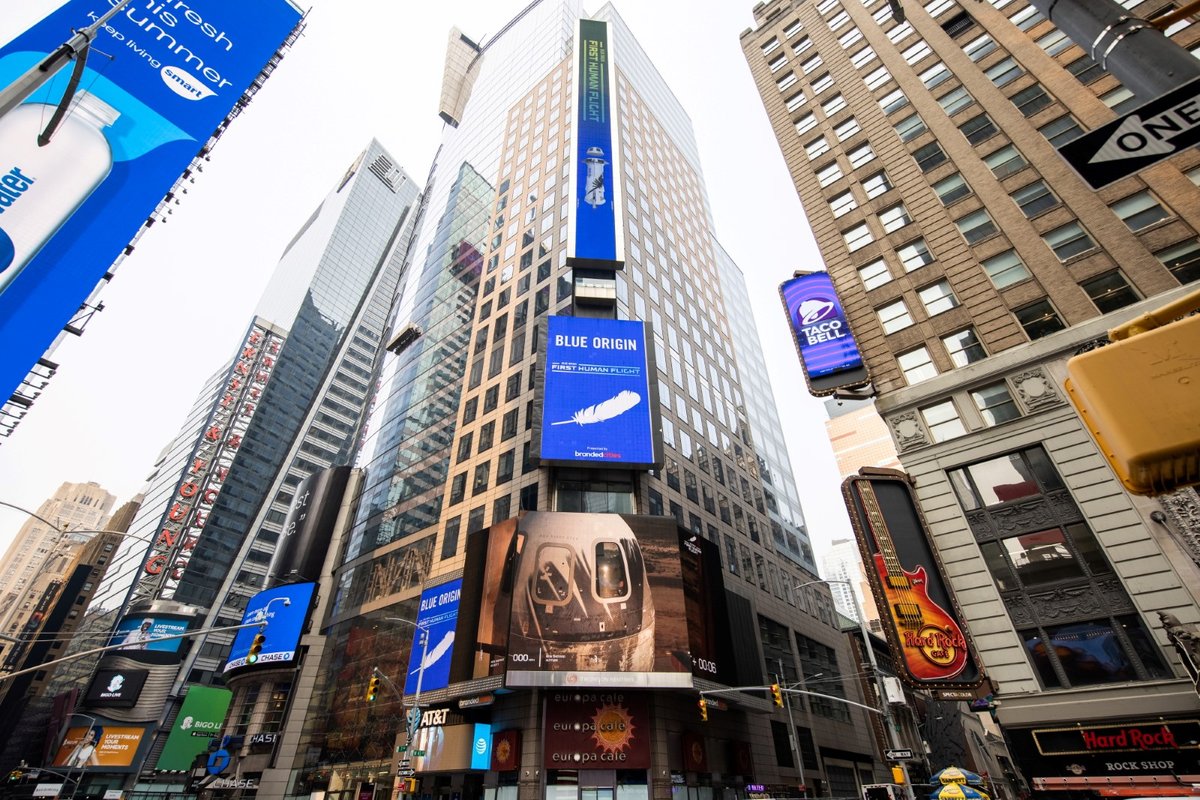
(972, 263)
(550, 223)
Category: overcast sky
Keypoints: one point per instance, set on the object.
(372, 68)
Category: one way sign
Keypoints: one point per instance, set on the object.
(1142, 137)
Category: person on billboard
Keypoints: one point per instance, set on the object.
(84, 754)
(136, 639)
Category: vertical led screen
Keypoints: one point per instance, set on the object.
(595, 236)
(920, 618)
(199, 719)
(285, 625)
(828, 352)
(168, 76)
(596, 401)
(436, 619)
(709, 639)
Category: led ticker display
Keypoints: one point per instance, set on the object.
(597, 402)
(828, 352)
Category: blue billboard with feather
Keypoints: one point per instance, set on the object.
(597, 401)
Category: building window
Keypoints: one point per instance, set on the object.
(821, 83)
(857, 237)
(995, 404)
(1039, 319)
(860, 155)
(770, 46)
(1086, 70)
(959, 24)
(1068, 241)
(917, 366)
(1060, 130)
(480, 484)
(900, 33)
(1054, 42)
(914, 53)
(876, 184)
(874, 275)
(1183, 260)
(943, 422)
(811, 64)
(863, 57)
(817, 147)
(1004, 71)
(894, 218)
(937, 297)
(779, 63)
(838, 20)
(936, 75)
(1120, 99)
(833, 105)
(978, 48)
(978, 129)
(910, 127)
(1110, 291)
(849, 37)
(955, 100)
(914, 255)
(929, 156)
(976, 226)
(794, 102)
(894, 317)
(1005, 161)
(964, 347)
(935, 7)
(1005, 269)
(877, 77)
(843, 204)
(1139, 211)
(806, 123)
(786, 82)
(828, 174)
(951, 188)
(1027, 17)
(1034, 198)
(846, 129)
(1031, 100)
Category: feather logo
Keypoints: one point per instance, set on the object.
(613, 407)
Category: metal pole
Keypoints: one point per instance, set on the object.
(1146, 61)
(796, 754)
(16, 92)
(421, 666)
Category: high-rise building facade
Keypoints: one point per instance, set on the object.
(457, 460)
(972, 263)
(859, 436)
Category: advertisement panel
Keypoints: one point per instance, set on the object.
(490, 564)
(116, 688)
(920, 618)
(596, 730)
(308, 527)
(137, 631)
(709, 639)
(200, 719)
(169, 75)
(828, 352)
(285, 625)
(436, 618)
(597, 406)
(445, 744)
(595, 230)
(98, 746)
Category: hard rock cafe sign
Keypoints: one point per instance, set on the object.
(200, 485)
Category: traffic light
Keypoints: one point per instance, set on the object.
(898, 775)
(703, 709)
(777, 694)
(256, 647)
(409, 786)
(15, 776)
(372, 688)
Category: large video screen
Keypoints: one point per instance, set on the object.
(436, 618)
(828, 351)
(285, 625)
(99, 746)
(138, 632)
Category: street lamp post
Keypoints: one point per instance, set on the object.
(889, 727)
(796, 754)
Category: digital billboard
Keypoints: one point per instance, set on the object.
(98, 746)
(163, 79)
(137, 631)
(200, 718)
(828, 352)
(308, 527)
(920, 618)
(436, 618)
(285, 625)
(595, 234)
(116, 688)
(597, 405)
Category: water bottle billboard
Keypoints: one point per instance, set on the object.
(163, 77)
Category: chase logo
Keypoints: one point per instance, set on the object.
(815, 310)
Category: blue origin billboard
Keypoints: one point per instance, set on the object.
(285, 625)
(828, 352)
(595, 236)
(598, 400)
(437, 617)
(163, 77)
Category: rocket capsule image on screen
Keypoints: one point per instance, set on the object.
(594, 194)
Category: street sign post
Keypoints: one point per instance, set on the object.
(1142, 137)
(898, 755)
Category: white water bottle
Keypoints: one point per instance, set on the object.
(41, 187)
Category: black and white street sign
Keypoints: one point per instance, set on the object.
(1142, 137)
(898, 755)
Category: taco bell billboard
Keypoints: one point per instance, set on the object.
(164, 76)
(828, 352)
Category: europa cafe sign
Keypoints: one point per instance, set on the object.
(596, 730)
(204, 478)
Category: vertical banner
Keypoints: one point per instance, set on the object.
(918, 612)
(436, 621)
(162, 79)
(828, 353)
(199, 719)
(595, 230)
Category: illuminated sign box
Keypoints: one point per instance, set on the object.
(598, 400)
(828, 352)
